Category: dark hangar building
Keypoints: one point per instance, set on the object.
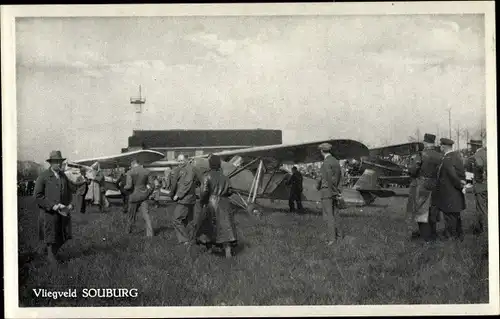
(199, 142)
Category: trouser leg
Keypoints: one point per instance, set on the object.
(291, 204)
(334, 228)
(144, 208)
(481, 210)
(299, 204)
(180, 221)
(453, 224)
(125, 203)
(132, 215)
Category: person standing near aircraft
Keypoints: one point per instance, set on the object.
(121, 182)
(327, 184)
(219, 218)
(295, 183)
(139, 184)
(479, 169)
(99, 179)
(450, 196)
(53, 195)
(81, 191)
(183, 186)
(423, 169)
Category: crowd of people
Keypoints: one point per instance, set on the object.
(213, 226)
(438, 186)
(25, 188)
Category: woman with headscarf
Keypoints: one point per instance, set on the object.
(218, 224)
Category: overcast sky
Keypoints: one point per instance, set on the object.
(371, 78)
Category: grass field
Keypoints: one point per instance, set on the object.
(282, 260)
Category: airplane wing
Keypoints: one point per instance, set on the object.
(124, 159)
(397, 149)
(300, 153)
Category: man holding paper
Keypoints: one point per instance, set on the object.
(53, 194)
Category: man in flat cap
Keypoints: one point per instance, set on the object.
(479, 168)
(450, 198)
(53, 195)
(330, 174)
(423, 169)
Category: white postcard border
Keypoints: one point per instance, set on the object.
(9, 151)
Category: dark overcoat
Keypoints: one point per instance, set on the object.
(449, 197)
(218, 223)
(53, 228)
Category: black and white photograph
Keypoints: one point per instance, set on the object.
(242, 159)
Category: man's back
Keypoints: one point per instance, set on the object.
(140, 176)
(184, 184)
(431, 160)
(330, 176)
(480, 165)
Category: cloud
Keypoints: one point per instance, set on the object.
(367, 78)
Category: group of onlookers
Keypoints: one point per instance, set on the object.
(439, 185)
(25, 188)
(212, 225)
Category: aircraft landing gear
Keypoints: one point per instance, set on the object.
(253, 210)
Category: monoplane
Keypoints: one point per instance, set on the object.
(257, 172)
(383, 161)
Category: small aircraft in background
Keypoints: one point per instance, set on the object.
(257, 172)
(381, 160)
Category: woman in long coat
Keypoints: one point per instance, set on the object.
(218, 224)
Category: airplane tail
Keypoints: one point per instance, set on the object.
(368, 180)
(368, 187)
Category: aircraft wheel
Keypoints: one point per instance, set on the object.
(253, 210)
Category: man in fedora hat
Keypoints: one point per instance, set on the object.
(423, 169)
(328, 183)
(53, 194)
(478, 164)
(450, 198)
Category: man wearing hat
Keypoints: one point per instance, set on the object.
(423, 169)
(330, 174)
(450, 198)
(479, 169)
(53, 195)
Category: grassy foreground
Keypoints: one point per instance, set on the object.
(282, 260)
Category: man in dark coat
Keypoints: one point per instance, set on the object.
(478, 164)
(139, 184)
(218, 224)
(100, 179)
(423, 169)
(81, 191)
(295, 183)
(184, 181)
(450, 197)
(53, 195)
(121, 182)
(327, 184)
